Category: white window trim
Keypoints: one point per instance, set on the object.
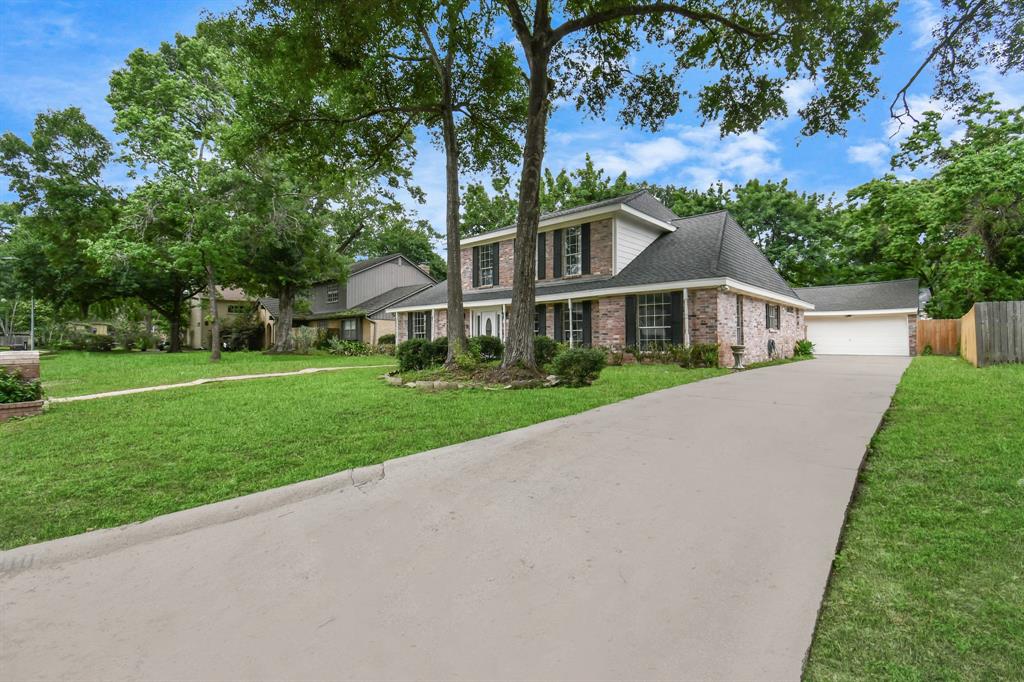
(333, 290)
(488, 250)
(667, 302)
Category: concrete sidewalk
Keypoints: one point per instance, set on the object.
(685, 534)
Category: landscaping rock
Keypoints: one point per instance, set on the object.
(394, 380)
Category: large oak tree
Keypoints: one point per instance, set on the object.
(750, 51)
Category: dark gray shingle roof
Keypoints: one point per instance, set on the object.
(641, 200)
(272, 305)
(899, 293)
(703, 246)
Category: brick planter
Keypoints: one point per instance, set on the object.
(24, 361)
(29, 409)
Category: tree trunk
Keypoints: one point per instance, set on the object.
(519, 345)
(211, 290)
(283, 325)
(456, 316)
(175, 324)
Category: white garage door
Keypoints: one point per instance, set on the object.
(875, 335)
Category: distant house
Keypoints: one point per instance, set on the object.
(354, 309)
(230, 304)
(98, 327)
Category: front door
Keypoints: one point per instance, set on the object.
(487, 323)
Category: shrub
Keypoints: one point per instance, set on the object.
(336, 346)
(545, 349)
(385, 348)
(15, 389)
(420, 353)
(98, 343)
(304, 339)
(927, 349)
(466, 362)
(703, 355)
(804, 348)
(579, 366)
(486, 348)
(386, 340)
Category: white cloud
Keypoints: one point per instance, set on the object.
(926, 16)
(797, 93)
(873, 154)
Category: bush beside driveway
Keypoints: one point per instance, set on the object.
(929, 583)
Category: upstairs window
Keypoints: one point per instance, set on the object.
(333, 293)
(771, 314)
(572, 252)
(487, 266)
(237, 308)
(653, 321)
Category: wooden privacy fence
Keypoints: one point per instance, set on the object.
(942, 336)
(993, 332)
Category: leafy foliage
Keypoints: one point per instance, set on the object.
(545, 349)
(348, 348)
(579, 366)
(804, 348)
(417, 354)
(486, 348)
(16, 389)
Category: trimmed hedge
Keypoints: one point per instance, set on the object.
(420, 353)
(579, 366)
(486, 348)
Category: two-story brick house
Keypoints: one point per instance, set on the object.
(354, 309)
(626, 272)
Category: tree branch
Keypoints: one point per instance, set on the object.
(901, 94)
(702, 17)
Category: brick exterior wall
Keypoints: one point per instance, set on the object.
(703, 316)
(712, 319)
(608, 322)
(755, 332)
(601, 257)
(912, 326)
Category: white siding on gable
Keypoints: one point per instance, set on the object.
(631, 238)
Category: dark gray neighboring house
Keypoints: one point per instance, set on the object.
(354, 309)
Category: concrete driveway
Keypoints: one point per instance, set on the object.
(685, 534)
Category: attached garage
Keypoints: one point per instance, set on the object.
(879, 318)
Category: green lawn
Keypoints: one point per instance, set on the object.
(78, 373)
(929, 584)
(106, 462)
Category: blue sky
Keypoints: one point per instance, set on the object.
(57, 53)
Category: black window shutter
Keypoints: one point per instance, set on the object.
(409, 324)
(585, 247)
(476, 266)
(677, 317)
(631, 320)
(587, 337)
(495, 263)
(541, 255)
(767, 316)
(429, 324)
(558, 321)
(541, 311)
(556, 265)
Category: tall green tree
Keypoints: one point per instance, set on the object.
(61, 201)
(404, 63)
(961, 230)
(752, 50)
(171, 106)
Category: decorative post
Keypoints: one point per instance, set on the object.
(737, 356)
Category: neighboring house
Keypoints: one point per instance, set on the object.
(230, 304)
(354, 310)
(97, 327)
(626, 272)
(878, 318)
